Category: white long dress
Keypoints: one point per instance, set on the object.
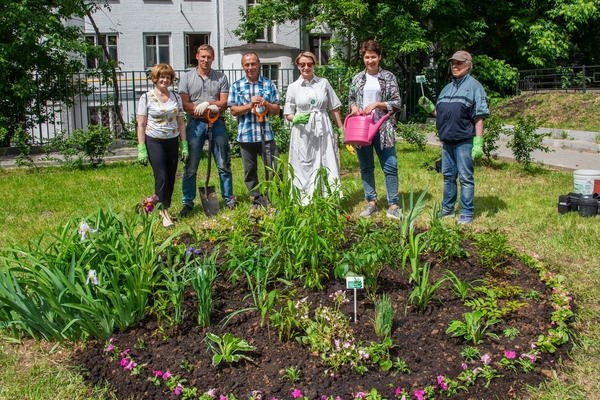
(313, 145)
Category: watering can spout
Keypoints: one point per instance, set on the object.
(374, 126)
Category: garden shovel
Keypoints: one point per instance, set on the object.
(208, 195)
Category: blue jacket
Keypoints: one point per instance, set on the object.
(459, 104)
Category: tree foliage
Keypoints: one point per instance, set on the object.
(41, 47)
(421, 33)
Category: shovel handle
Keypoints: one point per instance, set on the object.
(259, 114)
(211, 117)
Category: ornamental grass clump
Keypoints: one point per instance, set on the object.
(80, 283)
(203, 272)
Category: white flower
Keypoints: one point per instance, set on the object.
(84, 228)
(92, 277)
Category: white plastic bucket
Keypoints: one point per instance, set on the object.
(586, 181)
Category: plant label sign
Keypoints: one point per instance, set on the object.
(421, 79)
(355, 282)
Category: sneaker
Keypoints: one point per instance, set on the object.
(231, 204)
(186, 210)
(260, 201)
(393, 213)
(465, 219)
(369, 210)
(446, 214)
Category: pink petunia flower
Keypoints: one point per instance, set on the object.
(131, 365)
(510, 354)
(419, 394)
(297, 393)
(212, 393)
(324, 397)
(124, 361)
(222, 397)
(166, 375)
(109, 348)
(397, 391)
(178, 389)
(486, 359)
(125, 352)
(360, 395)
(157, 373)
(464, 365)
(441, 382)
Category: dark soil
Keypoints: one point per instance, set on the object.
(420, 339)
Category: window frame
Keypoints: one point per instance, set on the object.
(157, 46)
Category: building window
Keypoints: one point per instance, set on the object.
(270, 71)
(320, 46)
(156, 49)
(266, 35)
(192, 42)
(110, 41)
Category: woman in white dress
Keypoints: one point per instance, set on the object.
(313, 141)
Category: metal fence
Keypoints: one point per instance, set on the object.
(578, 78)
(100, 103)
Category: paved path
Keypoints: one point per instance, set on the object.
(571, 150)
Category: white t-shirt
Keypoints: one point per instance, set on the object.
(162, 117)
(371, 90)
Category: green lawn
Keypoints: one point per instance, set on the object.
(520, 204)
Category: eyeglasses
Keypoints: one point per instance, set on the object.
(302, 65)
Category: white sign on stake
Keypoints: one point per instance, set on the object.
(354, 282)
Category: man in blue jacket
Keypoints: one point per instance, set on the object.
(460, 110)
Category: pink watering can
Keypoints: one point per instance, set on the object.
(359, 130)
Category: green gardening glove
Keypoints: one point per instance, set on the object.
(301, 118)
(142, 154)
(426, 104)
(477, 151)
(184, 150)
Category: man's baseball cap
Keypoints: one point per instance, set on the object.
(462, 56)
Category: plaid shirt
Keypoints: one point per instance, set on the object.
(240, 93)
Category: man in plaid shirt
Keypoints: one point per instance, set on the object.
(252, 93)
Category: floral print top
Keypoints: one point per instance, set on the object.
(162, 117)
(390, 94)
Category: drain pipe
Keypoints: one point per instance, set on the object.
(219, 57)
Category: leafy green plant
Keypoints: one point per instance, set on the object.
(494, 129)
(422, 293)
(259, 283)
(292, 374)
(288, 318)
(228, 349)
(492, 248)
(50, 289)
(412, 135)
(307, 237)
(511, 332)
(384, 316)
(474, 328)
(470, 353)
(524, 140)
(81, 146)
(444, 240)
(202, 273)
(460, 288)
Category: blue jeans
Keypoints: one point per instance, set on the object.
(197, 135)
(389, 165)
(458, 163)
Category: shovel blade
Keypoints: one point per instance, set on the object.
(210, 202)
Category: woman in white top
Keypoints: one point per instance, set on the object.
(161, 134)
(313, 142)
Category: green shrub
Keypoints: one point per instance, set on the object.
(81, 146)
(412, 135)
(525, 140)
